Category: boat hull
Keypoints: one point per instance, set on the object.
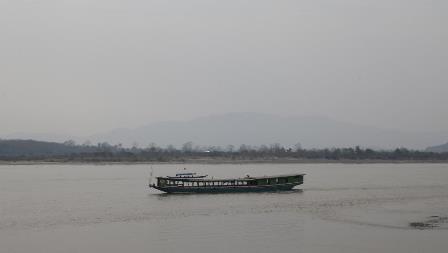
(227, 189)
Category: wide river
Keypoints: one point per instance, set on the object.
(109, 208)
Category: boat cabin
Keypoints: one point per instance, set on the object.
(199, 181)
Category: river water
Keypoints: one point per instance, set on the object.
(339, 208)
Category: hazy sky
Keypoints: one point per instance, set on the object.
(87, 66)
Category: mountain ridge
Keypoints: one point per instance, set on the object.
(438, 148)
(260, 128)
(256, 129)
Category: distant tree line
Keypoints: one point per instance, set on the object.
(23, 150)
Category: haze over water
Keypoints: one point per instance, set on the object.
(112, 74)
(339, 208)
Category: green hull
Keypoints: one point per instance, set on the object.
(227, 189)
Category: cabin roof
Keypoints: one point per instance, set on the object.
(185, 174)
(230, 179)
(281, 175)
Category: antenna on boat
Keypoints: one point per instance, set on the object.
(151, 176)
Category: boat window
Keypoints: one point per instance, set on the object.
(291, 179)
(162, 182)
(262, 181)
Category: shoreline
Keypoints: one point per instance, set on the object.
(226, 161)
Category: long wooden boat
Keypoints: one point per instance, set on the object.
(209, 185)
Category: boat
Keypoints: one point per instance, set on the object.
(192, 183)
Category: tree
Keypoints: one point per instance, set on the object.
(87, 143)
(244, 148)
(276, 148)
(263, 149)
(135, 148)
(152, 147)
(298, 147)
(230, 148)
(187, 147)
(70, 143)
(170, 149)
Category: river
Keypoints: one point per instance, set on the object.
(109, 208)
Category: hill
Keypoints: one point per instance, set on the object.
(438, 149)
(258, 129)
(17, 148)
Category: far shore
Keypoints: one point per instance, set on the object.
(222, 161)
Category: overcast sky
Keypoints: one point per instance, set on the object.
(88, 66)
